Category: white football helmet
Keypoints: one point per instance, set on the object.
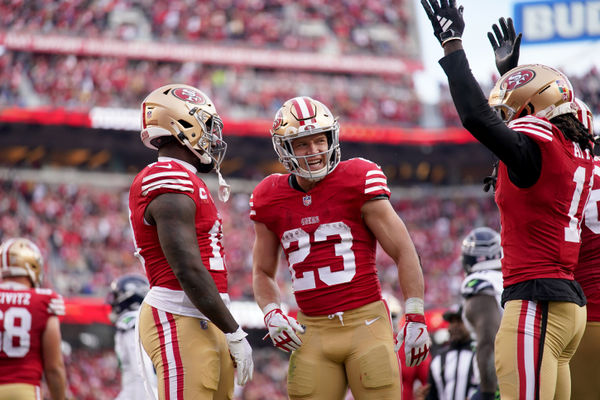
(186, 113)
(299, 117)
(21, 257)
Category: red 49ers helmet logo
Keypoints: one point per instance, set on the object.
(189, 95)
(278, 121)
(518, 79)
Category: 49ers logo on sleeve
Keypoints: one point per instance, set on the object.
(189, 95)
(518, 79)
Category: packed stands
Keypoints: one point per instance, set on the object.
(347, 26)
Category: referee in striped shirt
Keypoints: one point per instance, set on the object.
(453, 373)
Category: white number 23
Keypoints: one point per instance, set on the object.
(344, 249)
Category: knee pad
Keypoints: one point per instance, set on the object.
(376, 368)
(301, 377)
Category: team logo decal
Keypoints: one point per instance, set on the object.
(278, 121)
(518, 79)
(189, 95)
(307, 200)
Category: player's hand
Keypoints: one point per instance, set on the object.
(416, 339)
(506, 45)
(282, 328)
(241, 352)
(447, 20)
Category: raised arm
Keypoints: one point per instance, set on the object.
(519, 152)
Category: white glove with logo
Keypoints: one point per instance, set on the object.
(241, 352)
(282, 328)
(414, 334)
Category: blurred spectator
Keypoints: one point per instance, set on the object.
(32, 79)
(344, 26)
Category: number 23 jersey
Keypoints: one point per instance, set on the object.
(329, 249)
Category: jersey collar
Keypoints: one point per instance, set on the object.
(183, 163)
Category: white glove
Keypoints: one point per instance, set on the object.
(416, 339)
(241, 352)
(282, 328)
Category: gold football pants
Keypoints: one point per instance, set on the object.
(191, 356)
(352, 349)
(533, 347)
(585, 365)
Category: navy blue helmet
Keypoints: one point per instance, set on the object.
(127, 293)
(481, 250)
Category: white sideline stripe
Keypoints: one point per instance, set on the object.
(166, 181)
(178, 187)
(528, 350)
(376, 188)
(376, 180)
(173, 174)
(171, 364)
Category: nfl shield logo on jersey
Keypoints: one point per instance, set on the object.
(307, 200)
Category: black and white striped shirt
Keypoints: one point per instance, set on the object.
(453, 373)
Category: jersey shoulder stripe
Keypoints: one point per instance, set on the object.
(171, 180)
(532, 126)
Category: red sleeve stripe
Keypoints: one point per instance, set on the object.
(172, 174)
(162, 185)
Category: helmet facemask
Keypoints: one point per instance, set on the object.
(188, 115)
(301, 117)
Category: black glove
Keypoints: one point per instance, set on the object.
(506, 45)
(446, 19)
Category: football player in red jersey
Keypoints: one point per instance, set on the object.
(585, 364)
(544, 179)
(586, 361)
(185, 325)
(29, 326)
(328, 215)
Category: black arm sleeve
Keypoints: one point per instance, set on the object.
(520, 153)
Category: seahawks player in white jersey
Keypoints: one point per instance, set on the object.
(125, 298)
(482, 310)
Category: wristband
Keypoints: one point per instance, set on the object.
(414, 305)
(270, 307)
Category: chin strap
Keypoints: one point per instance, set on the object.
(224, 188)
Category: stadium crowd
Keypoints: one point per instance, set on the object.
(348, 26)
(32, 79)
